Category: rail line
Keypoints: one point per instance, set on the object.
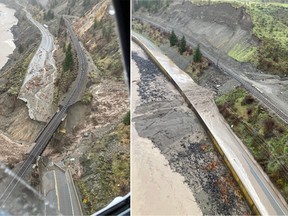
(258, 190)
(262, 98)
(45, 135)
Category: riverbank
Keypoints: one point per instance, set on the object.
(7, 21)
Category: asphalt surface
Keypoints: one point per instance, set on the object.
(59, 191)
(45, 135)
(44, 53)
(264, 99)
(267, 199)
(161, 115)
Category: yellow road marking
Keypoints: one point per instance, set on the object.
(56, 190)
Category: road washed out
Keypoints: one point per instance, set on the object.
(258, 188)
(38, 86)
(175, 167)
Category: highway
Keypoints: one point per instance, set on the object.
(40, 77)
(59, 191)
(266, 198)
(45, 135)
(264, 99)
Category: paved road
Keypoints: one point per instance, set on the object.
(59, 191)
(266, 198)
(40, 77)
(267, 101)
(45, 135)
(43, 56)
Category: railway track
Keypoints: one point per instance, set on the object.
(259, 191)
(45, 135)
(260, 96)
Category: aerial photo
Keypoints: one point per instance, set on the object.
(64, 108)
(209, 86)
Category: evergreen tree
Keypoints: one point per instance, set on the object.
(173, 39)
(197, 54)
(182, 46)
(68, 62)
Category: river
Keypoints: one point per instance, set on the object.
(7, 20)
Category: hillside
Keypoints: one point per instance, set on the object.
(100, 116)
(246, 31)
(94, 139)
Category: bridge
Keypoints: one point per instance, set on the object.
(45, 135)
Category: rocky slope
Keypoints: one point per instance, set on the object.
(93, 140)
(217, 25)
(246, 31)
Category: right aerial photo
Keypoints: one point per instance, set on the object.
(209, 98)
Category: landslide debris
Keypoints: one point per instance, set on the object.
(94, 140)
(164, 118)
(15, 123)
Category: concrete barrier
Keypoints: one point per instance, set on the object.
(236, 176)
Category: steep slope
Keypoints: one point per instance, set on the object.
(97, 31)
(246, 31)
(220, 26)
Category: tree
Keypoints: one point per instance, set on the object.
(49, 15)
(21, 48)
(173, 39)
(197, 54)
(68, 62)
(182, 46)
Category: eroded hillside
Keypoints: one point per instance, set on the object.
(248, 32)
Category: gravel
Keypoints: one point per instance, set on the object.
(164, 118)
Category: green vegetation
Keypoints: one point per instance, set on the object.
(66, 75)
(21, 49)
(98, 23)
(244, 54)
(126, 119)
(159, 37)
(264, 135)
(182, 45)
(49, 15)
(197, 54)
(102, 42)
(16, 74)
(153, 33)
(173, 39)
(270, 25)
(106, 170)
(87, 98)
(68, 62)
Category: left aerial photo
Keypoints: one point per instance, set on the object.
(64, 107)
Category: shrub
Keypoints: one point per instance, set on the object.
(126, 119)
(247, 100)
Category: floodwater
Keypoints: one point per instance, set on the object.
(7, 20)
(156, 189)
